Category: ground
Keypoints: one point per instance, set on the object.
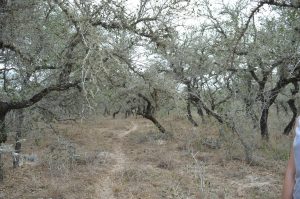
(128, 158)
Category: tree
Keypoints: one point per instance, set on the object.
(53, 46)
(249, 59)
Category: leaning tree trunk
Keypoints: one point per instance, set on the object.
(189, 113)
(200, 113)
(291, 103)
(290, 125)
(198, 106)
(155, 122)
(148, 113)
(189, 100)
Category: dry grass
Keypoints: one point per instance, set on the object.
(75, 162)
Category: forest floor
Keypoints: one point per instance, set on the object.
(129, 158)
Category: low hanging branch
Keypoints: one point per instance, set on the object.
(229, 123)
(37, 97)
(197, 100)
(294, 3)
(5, 107)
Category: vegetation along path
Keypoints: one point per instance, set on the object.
(104, 188)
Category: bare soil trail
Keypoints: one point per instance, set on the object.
(104, 187)
(130, 158)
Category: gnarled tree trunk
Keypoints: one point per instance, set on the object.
(155, 122)
(291, 103)
(189, 113)
(147, 113)
(290, 125)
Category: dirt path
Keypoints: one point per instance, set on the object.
(104, 187)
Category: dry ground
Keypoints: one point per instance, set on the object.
(128, 158)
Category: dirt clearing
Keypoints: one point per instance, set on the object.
(116, 159)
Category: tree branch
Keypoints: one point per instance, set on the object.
(282, 4)
(37, 97)
(13, 48)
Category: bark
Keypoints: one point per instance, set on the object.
(41, 94)
(197, 100)
(148, 113)
(156, 123)
(268, 101)
(5, 107)
(264, 123)
(189, 114)
(291, 103)
(222, 120)
(3, 133)
(200, 112)
(116, 112)
(250, 113)
(290, 125)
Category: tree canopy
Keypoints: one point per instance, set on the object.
(223, 59)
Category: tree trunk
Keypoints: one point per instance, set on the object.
(291, 103)
(290, 125)
(264, 123)
(148, 112)
(189, 100)
(116, 112)
(156, 123)
(189, 114)
(250, 113)
(3, 111)
(200, 112)
(3, 133)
